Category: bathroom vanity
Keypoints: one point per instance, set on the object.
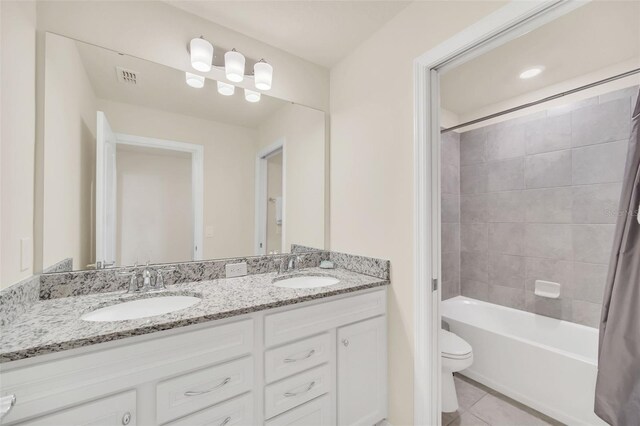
(248, 353)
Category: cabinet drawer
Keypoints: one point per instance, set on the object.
(296, 357)
(288, 393)
(114, 410)
(237, 412)
(314, 413)
(52, 385)
(191, 392)
(309, 320)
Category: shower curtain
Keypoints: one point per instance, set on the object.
(617, 398)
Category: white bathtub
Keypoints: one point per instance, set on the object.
(545, 363)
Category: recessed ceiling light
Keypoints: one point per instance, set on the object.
(531, 72)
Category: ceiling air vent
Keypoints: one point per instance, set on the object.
(127, 76)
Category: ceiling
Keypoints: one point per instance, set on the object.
(592, 37)
(164, 88)
(322, 32)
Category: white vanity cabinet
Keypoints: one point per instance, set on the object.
(285, 366)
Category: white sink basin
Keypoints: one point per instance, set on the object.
(306, 281)
(141, 308)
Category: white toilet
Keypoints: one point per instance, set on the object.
(456, 356)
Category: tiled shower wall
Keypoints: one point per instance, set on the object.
(450, 184)
(538, 200)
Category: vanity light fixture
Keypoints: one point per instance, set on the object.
(194, 80)
(234, 66)
(531, 72)
(251, 96)
(226, 89)
(201, 52)
(263, 74)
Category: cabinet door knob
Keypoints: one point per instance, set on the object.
(126, 418)
(345, 342)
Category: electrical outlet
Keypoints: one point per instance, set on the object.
(235, 269)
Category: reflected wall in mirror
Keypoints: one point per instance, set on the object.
(139, 166)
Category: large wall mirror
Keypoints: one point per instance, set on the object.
(141, 167)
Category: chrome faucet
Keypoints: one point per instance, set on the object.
(289, 263)
(151, 280)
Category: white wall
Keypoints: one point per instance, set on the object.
(229, 169)
(18, 107)
(303, 130)
(69, 153)
(154, 206)
(159, 32)
(371, 162)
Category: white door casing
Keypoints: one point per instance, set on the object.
(260, 240)
(105, 191)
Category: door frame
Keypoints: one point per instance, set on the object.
(197, 179)
(510, 21)
(260, 233)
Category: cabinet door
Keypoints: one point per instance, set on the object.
(362, 373)
(114, 410)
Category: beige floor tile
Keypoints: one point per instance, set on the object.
(498, 412)
(468, 394)
(449, 417)
(467, 419)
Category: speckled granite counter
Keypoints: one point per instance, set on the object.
(55, 325)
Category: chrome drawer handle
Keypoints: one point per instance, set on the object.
(225, 421)
(290, 394)
(307, 356)
(196, 393)
(6, 404)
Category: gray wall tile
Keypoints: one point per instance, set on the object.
(506, 238)
(474, 289)
(560, 308)
(450, 208)
(592, 279)
(450, 179)
(474, 266)
(506, 296)
(548, 241)
(548, 170)
(629, 93)
(473, 179)
(451, 267)
(596, 203)
(505, 142)
(602, 163)
(586, 313)
(507, 270)
(473, 146)
(549, 205)
(474, 237)
(548, 134)
(593, 243)
(450, 237)
(450, 150)
(571, 106)
(606, 122)
(505, 175)
(473, 208)
(506, 206)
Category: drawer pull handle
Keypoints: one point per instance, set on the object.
(307, 356)
(196, 393)
(225, 421)
(6, 404)
(290, 394)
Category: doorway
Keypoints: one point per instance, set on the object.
(270, 199)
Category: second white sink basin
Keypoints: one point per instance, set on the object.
(141, 308)
(306, 281)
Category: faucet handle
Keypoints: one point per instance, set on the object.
(160, 276)
(133, 281)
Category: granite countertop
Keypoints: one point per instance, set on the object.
(55, 325)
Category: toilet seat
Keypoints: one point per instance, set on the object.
(453, 347)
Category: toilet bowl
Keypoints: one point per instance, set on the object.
(456, 356)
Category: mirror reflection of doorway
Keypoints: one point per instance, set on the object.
(274, 202)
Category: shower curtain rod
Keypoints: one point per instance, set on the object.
(540, 101)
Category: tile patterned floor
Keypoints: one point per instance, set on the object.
(482, 406)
